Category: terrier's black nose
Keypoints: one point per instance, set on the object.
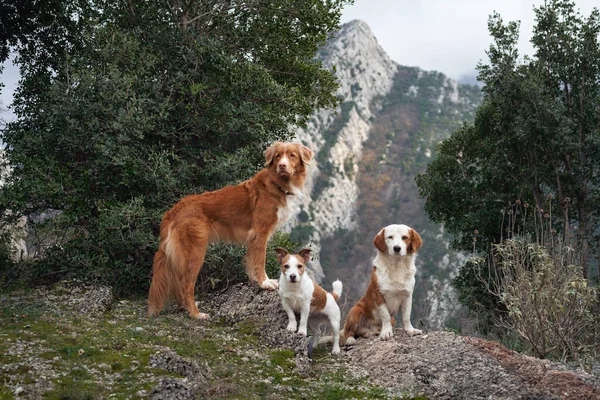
(293, 277)
(397, 249)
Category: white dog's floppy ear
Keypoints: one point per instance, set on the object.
(270, 153)
(280, 254)
(415, 242)
(305, 254)
(379, 241)
(306, 154)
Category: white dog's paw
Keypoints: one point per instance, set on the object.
(291, 327)
(413, 331)
(269, 284)
(303, 331)
(386, 334)
(336, 350)
(350, 341)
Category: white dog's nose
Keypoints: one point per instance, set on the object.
(397, 249)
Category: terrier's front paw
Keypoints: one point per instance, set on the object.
(413, 331)
(269, 284)
(291, 327)
(302, 331)
(336, 350)
(386, 334)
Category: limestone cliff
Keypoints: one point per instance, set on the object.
(368, 151)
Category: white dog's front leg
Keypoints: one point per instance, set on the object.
(292, 325)
(386, 323)
(304, 319)
(406, 309)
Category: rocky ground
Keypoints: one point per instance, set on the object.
(75, 341)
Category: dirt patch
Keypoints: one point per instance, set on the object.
(543, 375)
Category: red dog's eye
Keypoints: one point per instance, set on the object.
(277, 155)
(293, 155)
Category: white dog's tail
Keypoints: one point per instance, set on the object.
(337, 289)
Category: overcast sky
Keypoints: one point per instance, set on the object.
(449, 36)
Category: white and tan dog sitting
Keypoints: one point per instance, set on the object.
(391, 287)
(301, 294)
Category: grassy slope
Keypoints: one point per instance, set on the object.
(97, 355)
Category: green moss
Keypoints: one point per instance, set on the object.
(283, 358)
(5, 392)
(111, 346)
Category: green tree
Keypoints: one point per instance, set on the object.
(528, 165)
(536, 135)
(148, 102)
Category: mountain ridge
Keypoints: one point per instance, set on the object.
(367, 152)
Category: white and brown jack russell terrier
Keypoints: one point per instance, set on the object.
(301, 294)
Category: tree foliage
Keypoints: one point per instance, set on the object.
(532, 153)
(536, 134)
(144, 103)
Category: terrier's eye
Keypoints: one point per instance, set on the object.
(286, 266)
(300, 266)
(404, 237)
(390, 237)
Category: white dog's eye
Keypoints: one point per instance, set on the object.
(390, 237)
(286, 266)
(300, 266)
(404, 237)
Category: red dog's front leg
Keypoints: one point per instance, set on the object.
(256, 258)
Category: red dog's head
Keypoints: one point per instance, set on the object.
(287, 158)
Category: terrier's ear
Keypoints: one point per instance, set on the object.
(280, 254)
(415, 242)
(305, 254)
(379, 241)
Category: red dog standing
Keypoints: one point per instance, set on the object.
(247, 214)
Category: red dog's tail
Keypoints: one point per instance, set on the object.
(160, 288)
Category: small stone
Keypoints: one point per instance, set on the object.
(19, 390)
(138, 329)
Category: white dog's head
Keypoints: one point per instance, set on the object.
(397, 240)
(293, 266)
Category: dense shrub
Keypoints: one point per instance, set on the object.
(141, 104)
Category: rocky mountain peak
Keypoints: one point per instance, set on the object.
(363, 68)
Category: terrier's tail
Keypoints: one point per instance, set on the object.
(337, 289)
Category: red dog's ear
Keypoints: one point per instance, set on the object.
(280, 254)
(306, 154)
(379, 241)
(415, 241)
(305, 254)
(270, 153)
